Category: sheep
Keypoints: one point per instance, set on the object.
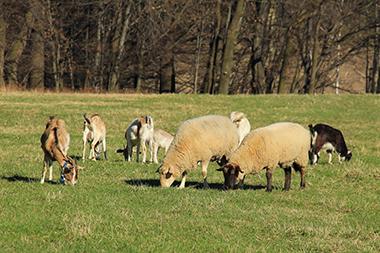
(94, 132)
(55, 142)
(198, 139)
(242, 123)
(284, 144)
(161, 139)
(330, 139)
(139, 132)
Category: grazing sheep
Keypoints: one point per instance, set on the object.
(94, 132)
(281, 144)
(330, 139)
(242, 124)
(139, 132)
(198, 139)
(161, 139)
(55, 143)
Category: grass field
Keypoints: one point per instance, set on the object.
(118, 206)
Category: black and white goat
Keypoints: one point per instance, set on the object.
(330, 139)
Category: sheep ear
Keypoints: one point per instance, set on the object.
(158, 169)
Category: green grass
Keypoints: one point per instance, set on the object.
(118, 206)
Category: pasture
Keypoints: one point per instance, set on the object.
(119, 206)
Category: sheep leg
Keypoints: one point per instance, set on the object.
(302, 171)
(288, 178)
(204, 174)
(183, 181)
(269, 180)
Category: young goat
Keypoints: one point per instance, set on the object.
(94, 132)
(161, 139)
(139, 132)
(330, 139)
(55, 143)
(242, 124)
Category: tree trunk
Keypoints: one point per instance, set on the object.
(167, 72)
(120, 38)
(208, 86)
(98, 68)
(315, 58)
(281, 85)
(37, 64)
(197, 59)
(228, 54)
(3, 28)
(16, 50)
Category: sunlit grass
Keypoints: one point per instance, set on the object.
(118, 206)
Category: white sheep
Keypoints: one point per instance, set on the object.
(55, 142)
(94, 132)
(198, 139)
(281, 144)
(161, 139)
(242, 124)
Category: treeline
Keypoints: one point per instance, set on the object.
(200, 46)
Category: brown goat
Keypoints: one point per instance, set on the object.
(55, 142)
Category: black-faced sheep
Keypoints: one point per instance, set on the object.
(330, 139)
(281, 144)
(55, 142)
(198, 140)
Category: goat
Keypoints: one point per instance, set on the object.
(94, 132)
(161, 139)
(139, 132)
(330, 139)
(55, 142)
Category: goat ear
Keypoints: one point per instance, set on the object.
(86, 118)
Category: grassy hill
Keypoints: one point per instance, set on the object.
(119, 206)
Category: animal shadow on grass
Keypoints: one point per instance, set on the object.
(18, 178)
(189, 184)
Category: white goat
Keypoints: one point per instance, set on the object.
(161, 139)
(139, 132)
(242, 124)
(94, 132)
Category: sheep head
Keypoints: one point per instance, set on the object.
(69, 173)
(167, 175)
(233, 176)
